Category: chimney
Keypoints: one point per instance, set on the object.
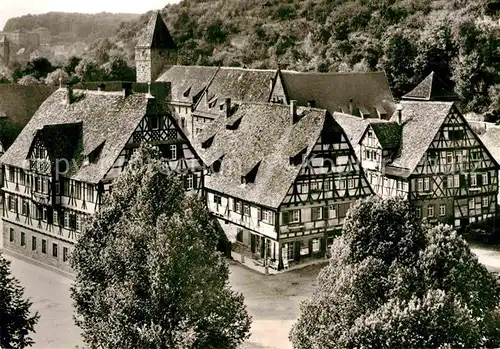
(69, 95)
(399, 114)
(101, 87)
(351, 106)
(228, 107)
(126, 89)
(293, 110)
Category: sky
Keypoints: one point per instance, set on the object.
(16, 8)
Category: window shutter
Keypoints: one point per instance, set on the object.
(252, 242)
(313, 213)
(195, 181)
(185, 181)
(479, 178)
(286, 219)
(234, 205)
(469, 179)
(489, 177)
(259, 213)
(325, 212)
(445, 182)
(462, 180)
(17, 201)
(50, 217)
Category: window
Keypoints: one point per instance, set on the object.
(22, 177)
(183, 122)
(267, 216)
(458, 157)
(154, 122)
(54, 250)
(450, 181)
(66, 219)
(78, 222)
(427, 184)
(44, 246)
(304, 188)
(350, 183)
(12, 204)
(449, 157)
(326, 185)
(190, 181)
(217, 200)
(11, 235)
(316, 213)
(475, 154)
(419, 212)
(472, 204)
(456, 181)
(442, 210)
(65, 187)
(90, 192)
(12, 174)
(39, 212)
(294, 216)
(342, 184)
(485, 201)
(24, 208)
(173, 152)
(45, 214)
(33, 243)
(420, 184)
(332, 211)
(314, 186)
(239, 234)
(56, 218)
(23, 239)
(72, 221)
(237, 206)
(57, 187)
(78, 190)
(38, 184)
(430, 211)
(315, 245)
(65, 254)
(485, 178)
(246, 209)
(473, 180)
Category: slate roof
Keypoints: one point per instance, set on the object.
(333, 91)
(421, 122)
(388, 134)
(188, 82)
(107, 119)
(156, 34)
(265, 135)
(432, 88)
(241, 85)
(354, 128)
(20, 102)
(491, 140)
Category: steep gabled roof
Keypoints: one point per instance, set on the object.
(432, 88)
(491, 140)
(266, 135)
(333, 91)
(241, 85)
(354, 127)
(156, 34)
(421, 122)
(106, 118)
(388, 134)
(188, 82)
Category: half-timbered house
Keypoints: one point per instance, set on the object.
(65, 159)
(281, 179)
(428, 154)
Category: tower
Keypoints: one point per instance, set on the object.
(155, 51)
(4, 52)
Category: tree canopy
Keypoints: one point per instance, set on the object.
(16, 320)
(147, 271)
(394, 282)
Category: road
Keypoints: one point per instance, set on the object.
(272, 301)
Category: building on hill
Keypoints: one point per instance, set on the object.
(428, 153)
(65, 159)
(281, 179)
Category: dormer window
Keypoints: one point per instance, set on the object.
(296, 160)
(206, 144)
(251, 175)
(186, 93)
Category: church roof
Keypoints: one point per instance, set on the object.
(156, 34)
(264, 135)
(369, 92)
(107, 119)
(432, 88)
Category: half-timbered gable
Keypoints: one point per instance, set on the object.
(280, 176)
(73, 148)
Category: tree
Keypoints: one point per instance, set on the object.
(117, 69)
(57, 76)
(395, 282)
(147, 271)
(88, 70)
(27, 80)
(16, 323)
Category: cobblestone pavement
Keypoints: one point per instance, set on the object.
(272, 301)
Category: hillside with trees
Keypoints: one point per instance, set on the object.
(457, 39)
(68, 28)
